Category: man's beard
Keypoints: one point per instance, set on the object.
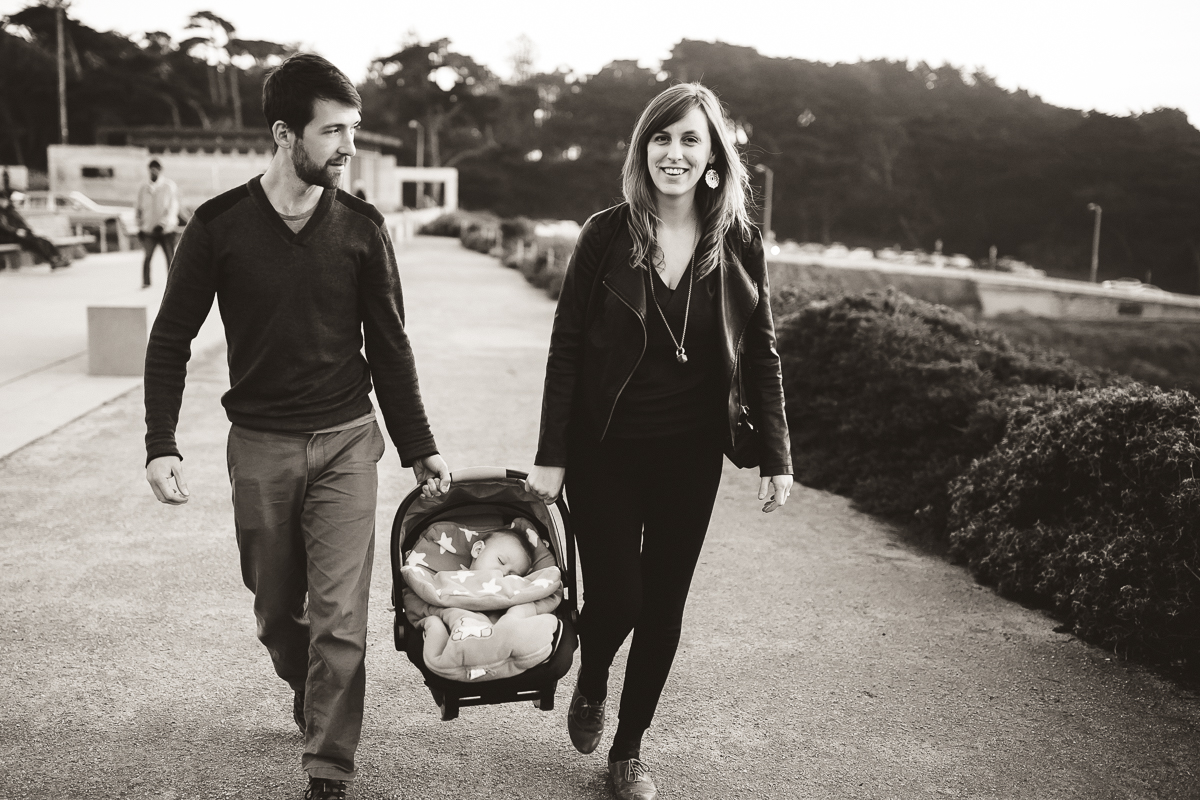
(310, 171)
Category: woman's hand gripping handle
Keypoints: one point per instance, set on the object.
(546, 483)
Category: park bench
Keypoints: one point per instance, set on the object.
(10, 256)
(57, 229)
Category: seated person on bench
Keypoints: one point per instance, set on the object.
(15, 230)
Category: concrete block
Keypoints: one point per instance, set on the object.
(117, 340)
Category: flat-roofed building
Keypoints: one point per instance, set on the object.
(205, 162)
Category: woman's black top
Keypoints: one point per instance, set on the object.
(664, 397)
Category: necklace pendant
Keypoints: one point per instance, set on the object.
(680, 356)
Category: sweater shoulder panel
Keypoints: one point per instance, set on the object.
(360, 207)
(216, 206)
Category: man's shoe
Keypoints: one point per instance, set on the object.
(585, 722)
(324, 789)
(631, 780)
(298, 711)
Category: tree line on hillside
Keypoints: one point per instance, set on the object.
(873, 154)
(211, 79)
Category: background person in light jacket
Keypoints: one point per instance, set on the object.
(157, 217)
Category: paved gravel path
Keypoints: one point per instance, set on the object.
(823, 658)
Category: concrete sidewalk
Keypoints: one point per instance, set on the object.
(44, 381)
(823, 657)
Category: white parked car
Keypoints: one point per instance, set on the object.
(81, 209)
(1129, 285)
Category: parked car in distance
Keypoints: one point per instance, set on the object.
(79, 207)
(1018, 267)
(1129, 285)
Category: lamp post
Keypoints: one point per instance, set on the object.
(60, 12)
(768, 234)
(420, 129)
(1095, 241)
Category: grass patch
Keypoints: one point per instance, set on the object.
(1163, 354)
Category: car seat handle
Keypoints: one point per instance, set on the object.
(478, 474)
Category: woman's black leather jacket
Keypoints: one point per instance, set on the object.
(600, 335)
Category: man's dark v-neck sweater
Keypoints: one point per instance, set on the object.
(296, 308)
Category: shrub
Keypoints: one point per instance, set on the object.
(453, 223)
(448, 224)
(1091, 507)
(518, 229)
(890, 398)
(542, 260)
(480, 235)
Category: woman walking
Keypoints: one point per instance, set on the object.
(662, 358)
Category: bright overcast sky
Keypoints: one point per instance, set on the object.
(1117, 56)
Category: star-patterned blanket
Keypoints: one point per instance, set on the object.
(486, 590)
(479, 625)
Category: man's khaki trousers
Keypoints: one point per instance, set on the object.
(304, 509)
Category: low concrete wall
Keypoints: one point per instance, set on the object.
(986, 294)
(403, 225)
(958, 292)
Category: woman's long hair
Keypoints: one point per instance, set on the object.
(719, 211)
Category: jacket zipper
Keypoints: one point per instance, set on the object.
(737, 358)
(641, 355)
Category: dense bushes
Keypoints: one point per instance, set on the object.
(543, 262)
(1093, 508)
(1064, 486)
(481, 234)
(889, 398)
(469, 226)
(541, 259)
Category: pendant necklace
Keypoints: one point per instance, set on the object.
(680, 353)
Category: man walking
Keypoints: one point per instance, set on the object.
(305, 275)
(157, 217)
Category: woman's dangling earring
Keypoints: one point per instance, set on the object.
(712, 178)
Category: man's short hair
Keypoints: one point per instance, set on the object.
(291, 89)
(155, 165)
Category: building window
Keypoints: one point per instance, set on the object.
(97, 172)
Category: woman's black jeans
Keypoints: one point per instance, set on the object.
(639, 511)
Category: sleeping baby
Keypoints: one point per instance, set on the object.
(491, 620)
(504, 550)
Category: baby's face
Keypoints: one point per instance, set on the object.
(503, 551)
